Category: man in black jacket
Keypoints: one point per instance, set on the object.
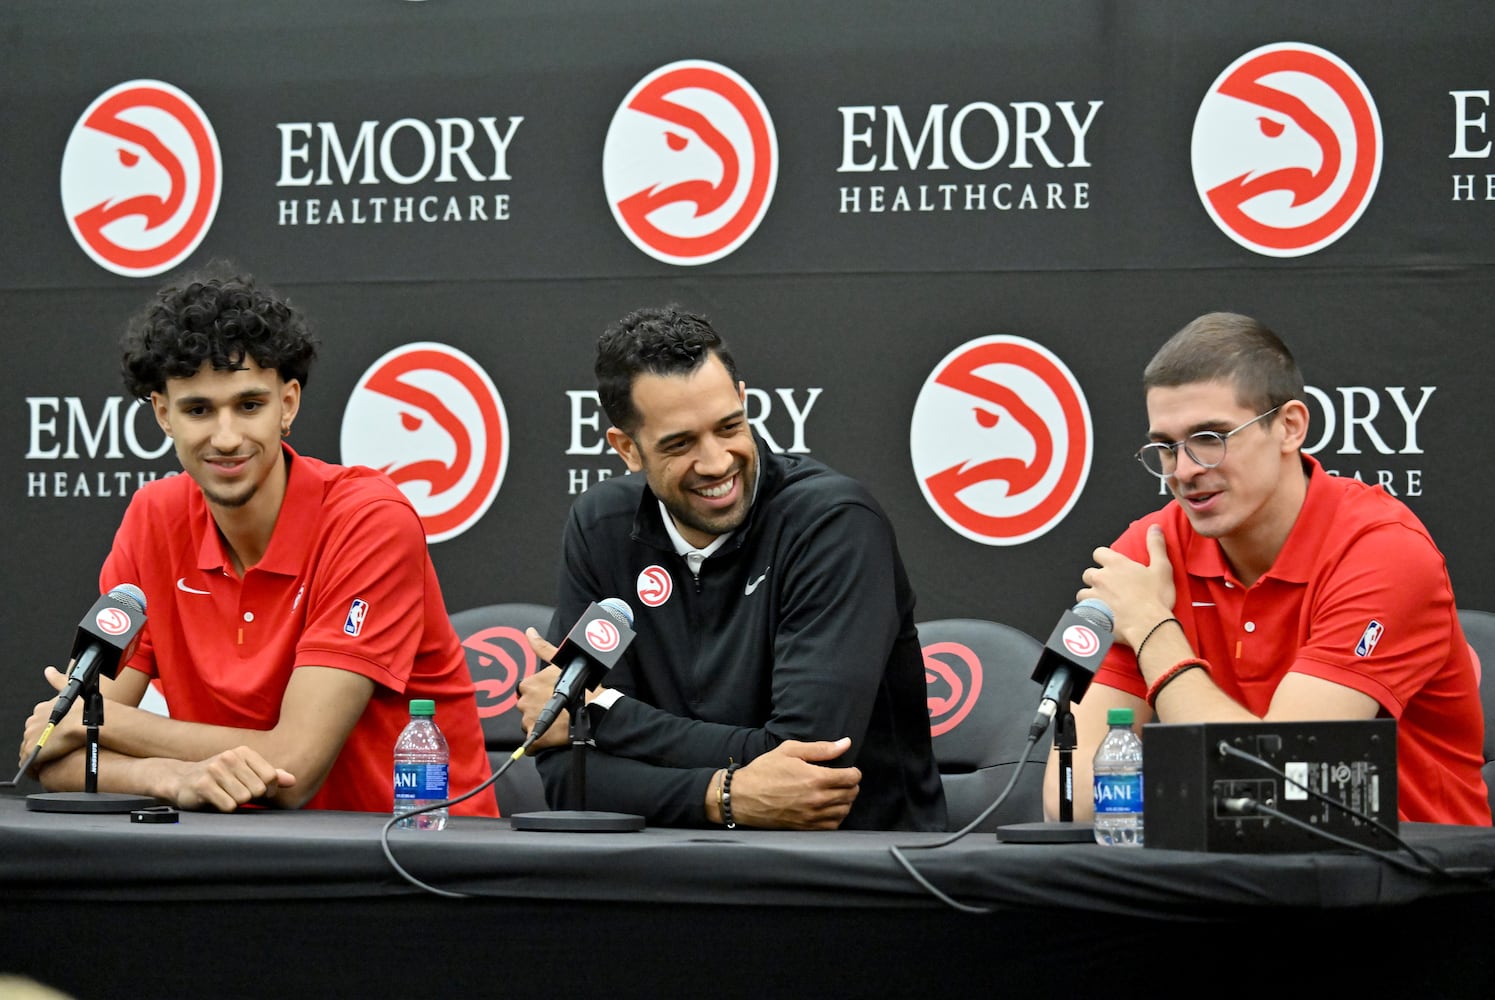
(776, 679)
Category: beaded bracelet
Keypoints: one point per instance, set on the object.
(1172, 673)
(1141, 645)
(725, 795)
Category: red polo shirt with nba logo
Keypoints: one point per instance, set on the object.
(347, 582)
(1360, 596)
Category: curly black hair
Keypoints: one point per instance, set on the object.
(665, 340)
(214, 320)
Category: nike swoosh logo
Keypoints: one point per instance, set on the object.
(1204, 604)
(181, 585)
(748, 590)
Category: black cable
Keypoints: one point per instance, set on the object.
(1429, 866)
(30, 759)
(897, 850)
(1245, 805)
(389, 825)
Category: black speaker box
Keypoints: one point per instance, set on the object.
(1193, 792)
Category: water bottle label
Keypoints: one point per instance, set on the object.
(416, 782)
(1118, 793)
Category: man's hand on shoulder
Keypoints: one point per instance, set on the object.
(1138, 594)
(788, 789)
(223, 781)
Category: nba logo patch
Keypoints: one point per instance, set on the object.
(1369, 638)
(357, 612)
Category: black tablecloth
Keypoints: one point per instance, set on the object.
(785, 913)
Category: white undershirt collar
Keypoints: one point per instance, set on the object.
(694, 557)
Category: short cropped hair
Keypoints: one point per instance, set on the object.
(1228, 347)
(665, 340)
(218, 321)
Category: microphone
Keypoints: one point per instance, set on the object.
(1070, 658)
(593, 647)
(107, 636)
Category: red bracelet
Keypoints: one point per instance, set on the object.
(1170, 675)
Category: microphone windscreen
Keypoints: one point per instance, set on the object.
(129, 595)
(1096, 614)
(618, 608)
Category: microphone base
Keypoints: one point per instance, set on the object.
(577, 821)
(88, 802)
(1046, 833)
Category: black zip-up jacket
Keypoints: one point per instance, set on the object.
(800, 627)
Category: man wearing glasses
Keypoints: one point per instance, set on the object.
(1269, 589)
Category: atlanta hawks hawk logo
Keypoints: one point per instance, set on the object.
(1287, 149)
(952, 673)
(141, 176)
(429, 416)
(655, 586)
(1081, 641)
(690, 162)
(1001, 440)
(498, 657)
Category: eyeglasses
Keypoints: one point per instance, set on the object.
(1205, 448)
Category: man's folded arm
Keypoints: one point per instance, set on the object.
(320, 708)
(664, 796)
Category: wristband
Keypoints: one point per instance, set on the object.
(724, 795)
(1170, 675)
(1150, 631)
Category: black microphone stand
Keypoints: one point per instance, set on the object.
(1065, 830)
(90, 800)
(1064, 743)
(579, 731)
(93, 714)
(578, 818)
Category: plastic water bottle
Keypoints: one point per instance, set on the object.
(421, 759)
(1118, 783)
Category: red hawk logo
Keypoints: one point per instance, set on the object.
(952, 672)
(690, 162)
(429, 417)
(141, 177)
(1001, 440)
(1287, 149)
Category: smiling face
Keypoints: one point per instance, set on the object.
(227, 427)
(695, 448)
(1251, 499)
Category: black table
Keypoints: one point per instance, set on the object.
(262, 904)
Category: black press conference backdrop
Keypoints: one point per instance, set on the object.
(942, 238)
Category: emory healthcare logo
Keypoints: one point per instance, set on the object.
(952, 672)
(1001, 440)
(429, 416)
(1287, 149)
(141, 176)
(690, 162)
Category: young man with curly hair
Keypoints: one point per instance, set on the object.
(293, 608)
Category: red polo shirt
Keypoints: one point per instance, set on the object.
(347, 582)
(1359, 595)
